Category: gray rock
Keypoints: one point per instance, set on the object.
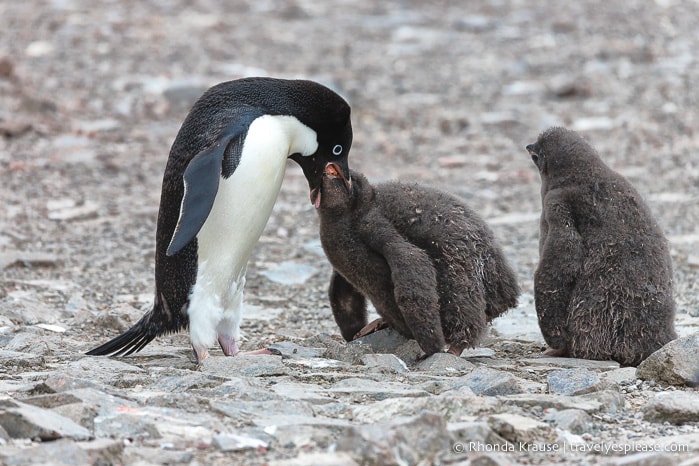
(478, 432)
(367, 389)
(621, 376)
(51, 400)
(453, 405)
(247, 412)
(239, 388)
(259, 365)
(675, 363)
(575, 421)
(492, 382)
(387, 362)
(301, 391)
(437, 385)
(675, 407)
(559, 402)
(350, 353)
(22, 420)
(516, 428)
(19, 359)
(59, 452)
(644, 459)
(571, 362)
(575, 381)
(610, 401)
(403, 441)
(318, 459)
(233, 442)
(181, 383)
(290, 273)
(31, 258)
(291, 350)
(444, 364)
(384, 341)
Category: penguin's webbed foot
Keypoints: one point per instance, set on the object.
(228, 345)
(200, 353)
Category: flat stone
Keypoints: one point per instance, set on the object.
(575, 421)
(675, 363)
(444, 364)
(301, 391)
(611, 401)
(621, 376)
(413, 440)
(51, 400)
(571, 362)
(575, 381)
(367, 389)
(350, 353)
(384, 341)
(492, 382)
(233, 442)
(59, 452)
(181, 383)
(18, 359)
(453, 405)
(388, 362)
(546, 401)
(292, 350)
(478, 432)
(246, 365)
(239, 388)
(22, 420)
(32, 258)
(247, 412)
(318, 459)
(676, 407)
(644, 459)
(290, 273)
(516, 428)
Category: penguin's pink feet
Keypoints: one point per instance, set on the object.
(271, 351)
(556, 352)
(371, 327)
(228, 345)
(200, 353)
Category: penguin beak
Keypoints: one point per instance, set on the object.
(333, 171)
(531, 148)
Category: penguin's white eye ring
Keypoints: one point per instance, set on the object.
(337, 150)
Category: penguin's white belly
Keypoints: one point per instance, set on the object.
(240, 212)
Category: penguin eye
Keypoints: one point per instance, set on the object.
(337, 150)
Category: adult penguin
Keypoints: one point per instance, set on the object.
(222, 178)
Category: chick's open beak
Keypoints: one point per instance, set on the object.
(333, 171)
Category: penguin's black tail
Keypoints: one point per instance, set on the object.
(132, 340)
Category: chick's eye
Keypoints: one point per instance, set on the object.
(337, 150)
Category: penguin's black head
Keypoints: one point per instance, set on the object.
(560, 152)
(326, 113)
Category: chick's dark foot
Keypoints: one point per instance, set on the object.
(371, 327)
(556, 352)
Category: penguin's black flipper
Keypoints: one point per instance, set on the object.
(554, 284)
(414, 281)
(202, 176)
(348, 306)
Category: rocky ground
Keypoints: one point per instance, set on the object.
(445, 93)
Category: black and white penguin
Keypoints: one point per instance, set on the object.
(430, 266)
(222, 178)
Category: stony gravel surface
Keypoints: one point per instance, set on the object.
(445, 93)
